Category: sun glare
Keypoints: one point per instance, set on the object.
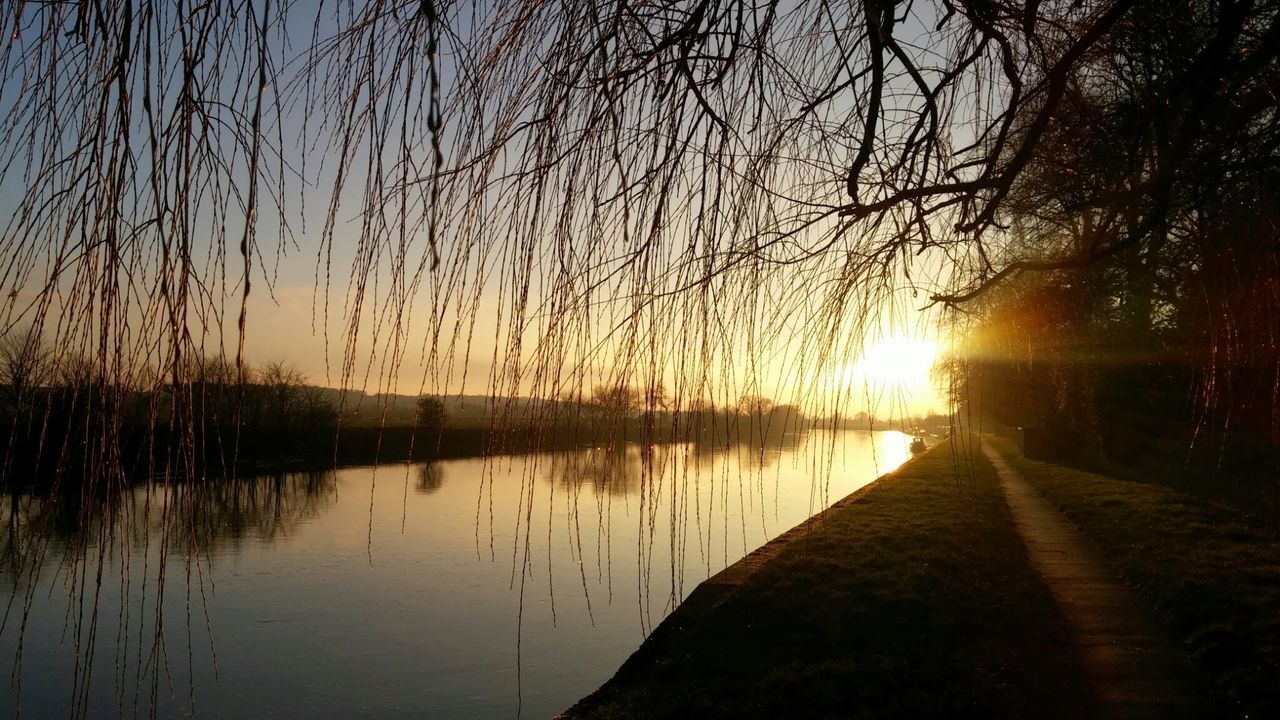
(897, 361)
(897, 365)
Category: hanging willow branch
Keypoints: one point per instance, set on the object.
(681, 192)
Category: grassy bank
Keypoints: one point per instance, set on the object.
(915, 600)
(1212, 572)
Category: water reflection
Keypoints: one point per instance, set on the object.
(340, 593)
(430, 478)
(199, 517)
(626, 468)
(205, 516)
(609, 470)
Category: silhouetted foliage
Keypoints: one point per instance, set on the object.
(431, 413)
(1162, 335)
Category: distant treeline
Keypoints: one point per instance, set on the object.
(65, 422)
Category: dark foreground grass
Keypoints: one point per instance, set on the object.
(1212, 572)
(916, 600)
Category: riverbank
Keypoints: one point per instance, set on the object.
(912, 598)
(915, 597)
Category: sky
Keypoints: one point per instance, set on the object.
(316, 301)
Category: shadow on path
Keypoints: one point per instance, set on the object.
(1136, 671)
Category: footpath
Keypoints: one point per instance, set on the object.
(1135, 670)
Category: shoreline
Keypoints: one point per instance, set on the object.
(715, 589)
(916, 596)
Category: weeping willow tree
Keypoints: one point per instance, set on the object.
(677, 192)
(687, 197)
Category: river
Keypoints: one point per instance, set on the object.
(458, 589)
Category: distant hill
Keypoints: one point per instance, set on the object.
(360, 409)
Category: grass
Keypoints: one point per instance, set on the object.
(916, 600)
(1211, 571)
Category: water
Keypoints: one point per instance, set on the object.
(462, 588)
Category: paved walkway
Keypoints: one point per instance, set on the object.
(1138, 673)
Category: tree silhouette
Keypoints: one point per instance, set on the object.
(1160, 323)
(721, 179)
(430, 413)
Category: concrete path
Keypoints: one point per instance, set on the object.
(1138, 673)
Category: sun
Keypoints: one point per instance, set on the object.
(897, 362)
(897, 365)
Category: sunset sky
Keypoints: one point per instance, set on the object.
(321, 256)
